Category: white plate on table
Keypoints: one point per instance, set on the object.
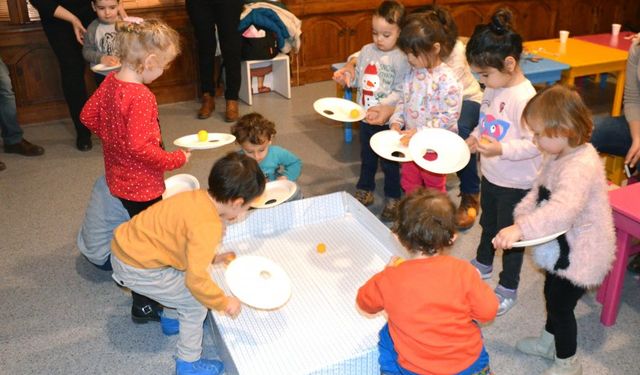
(275, 192)
(387, 145)
(339, 109)
(215, 140)
(101, 68)
(439, 150)
(538, 241)
(179, 183)
(258, 282)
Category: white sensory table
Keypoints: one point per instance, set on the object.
(320, 330)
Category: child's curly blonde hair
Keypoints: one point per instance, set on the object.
(137, 38)
(254, 128)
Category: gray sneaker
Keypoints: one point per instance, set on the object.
(484, 271)
(506, 303)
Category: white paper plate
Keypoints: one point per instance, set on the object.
(452, 153)
(338, 109)
(387, 144)
(179, 183)
(215, 140)
(538, 241)
(101, 68)
(275, 192)
(258, 282)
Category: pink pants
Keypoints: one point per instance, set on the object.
(413, 177)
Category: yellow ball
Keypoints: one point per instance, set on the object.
(472, 212)
(203, 136)
(354, 113)
(321, 248)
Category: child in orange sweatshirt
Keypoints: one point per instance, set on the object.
(432, 300)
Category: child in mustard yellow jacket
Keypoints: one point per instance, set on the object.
(164, 253)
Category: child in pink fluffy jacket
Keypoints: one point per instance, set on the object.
(570, 193)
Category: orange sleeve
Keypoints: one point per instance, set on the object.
(483, 301)
(369, 298)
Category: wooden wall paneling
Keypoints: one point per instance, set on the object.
(577, 16)
(537, 20)
(467, 16)
(607, 13)
(36, 78)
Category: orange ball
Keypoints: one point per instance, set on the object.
(472, 212)
(321, 248)
(398, 261)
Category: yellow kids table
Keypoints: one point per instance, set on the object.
(585, 59)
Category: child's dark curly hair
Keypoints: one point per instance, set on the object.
(426, 221)
(253, 127)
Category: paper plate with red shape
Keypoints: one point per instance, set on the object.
(439, 150)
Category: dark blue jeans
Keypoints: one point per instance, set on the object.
(611, 135)
(11, 131)
(369, 166)
(469, 179)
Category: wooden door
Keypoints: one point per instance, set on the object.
(360, 31)
(324, 42)
(466, 16)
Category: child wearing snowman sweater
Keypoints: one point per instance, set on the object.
(377, 73)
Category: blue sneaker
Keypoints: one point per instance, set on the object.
(169, 326)
(199, 367)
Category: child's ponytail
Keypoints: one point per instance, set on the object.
(492, 43)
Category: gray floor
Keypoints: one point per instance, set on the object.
(62, 316)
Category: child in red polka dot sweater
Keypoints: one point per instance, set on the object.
(123, 113)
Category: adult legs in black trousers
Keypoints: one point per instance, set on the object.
(72, 66)
(223, 15)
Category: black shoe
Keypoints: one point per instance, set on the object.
(2, 166)
(84, 144)
(144, 309)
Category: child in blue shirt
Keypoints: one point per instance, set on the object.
(254, 133)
